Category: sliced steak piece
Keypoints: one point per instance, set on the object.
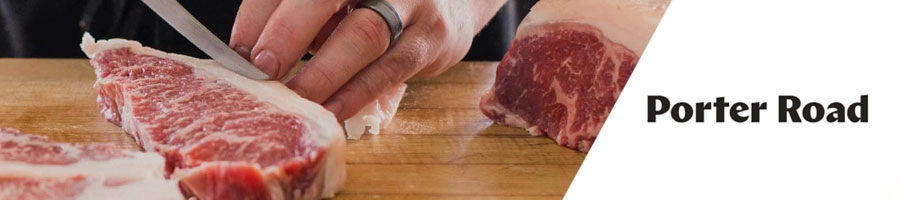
(224, 136)
(33, 167)
(567, 65)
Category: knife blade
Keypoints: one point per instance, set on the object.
(179, 18)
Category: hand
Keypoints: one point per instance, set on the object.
(353, 64)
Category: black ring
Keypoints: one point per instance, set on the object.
(389, 15)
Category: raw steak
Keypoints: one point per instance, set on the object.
(223, 136)
(567, 65)
(377, 115)
(33, 167)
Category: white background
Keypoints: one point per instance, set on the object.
(751, 51)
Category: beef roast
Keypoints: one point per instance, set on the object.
(567, 65)
(222, 135)
(33, 167)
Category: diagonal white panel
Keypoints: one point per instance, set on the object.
(753, 51)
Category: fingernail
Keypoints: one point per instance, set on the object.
(267, 62)
(335, 107)
(243, 51)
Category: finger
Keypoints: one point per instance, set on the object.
(359, 40)
(400, 63)
(331, 25)
(355, 43)
(434, 69)
(288, 33)
(327, 30)
(455, 48)
(249, 23)
(443, 63)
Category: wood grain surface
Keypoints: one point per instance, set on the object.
(439, 146)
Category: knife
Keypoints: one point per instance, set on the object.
(185, 23)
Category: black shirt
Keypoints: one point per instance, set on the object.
(53, 28)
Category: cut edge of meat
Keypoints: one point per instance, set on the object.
(579, 139)
(134, 190)
(137, 175)
(134, 165)
(328, 130)
(624, 29)
(76, 186)
(377, 115)
(137, 166)
(501, 115)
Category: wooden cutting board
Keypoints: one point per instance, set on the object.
(438, 146)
